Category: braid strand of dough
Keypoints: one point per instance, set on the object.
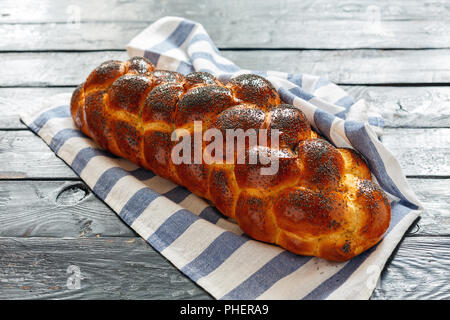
(321, 201)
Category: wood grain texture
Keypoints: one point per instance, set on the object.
(421, 152)
(110, 268)
(70, 209)
(145, 10)
(128, 268)
(315, 34)
(342, 67)
(25, 155)
(283, 24)
(423, 107)
(83, 36)
(56, 209)
(51, 68)
(420, 270)
(36, 214)
(354, 66)
(13, 101)
(434, 195)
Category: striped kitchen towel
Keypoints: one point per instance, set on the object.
(206, 246)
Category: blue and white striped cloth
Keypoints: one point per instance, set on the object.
(195, 237)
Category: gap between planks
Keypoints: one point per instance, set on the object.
(349, 67)
(69, 208)
(320, 24)
(130, 268)
(400, 107)
(423, 152)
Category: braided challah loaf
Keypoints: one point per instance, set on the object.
(320, 202)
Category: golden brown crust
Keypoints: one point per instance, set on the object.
(104, 75)
(157, 148)
(160, 104)
(223, 189)
(321, 200)
(201, 103)
(322, 163)
(97, 117)
(165, 76)
(249, 175)
(309, 213)
(76, 109)
(127, 91)
(291, 124)
(254, 89)
(254, 217)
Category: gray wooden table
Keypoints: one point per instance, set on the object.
(395, 54)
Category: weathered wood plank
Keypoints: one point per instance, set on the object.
(83, 36)
(70, 209)
(127, 268)
(15, 100)
(323, 34)
(282, 24)
(419, 270)
(122, 266)
(354, 66)
(110, 268)
(434, 195)
(126, 10)
(25, 155)
(424, 107)
(56, 209)
(51, 69)
(344, 67)
(421, 152)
